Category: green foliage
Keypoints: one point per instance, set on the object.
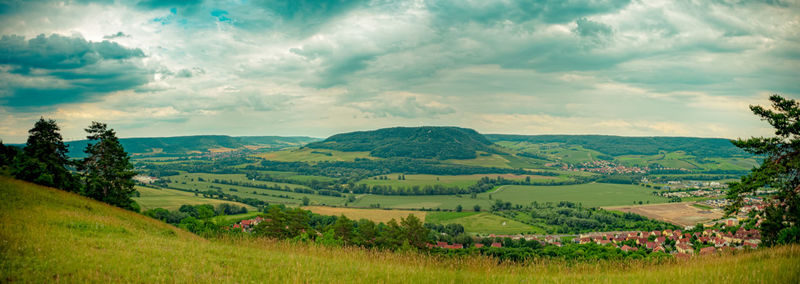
(44, 159)
(181, 145)
(414, 142)
(618, 145)
(107, 171)
(571, 218)
(780, 170)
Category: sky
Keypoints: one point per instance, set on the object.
(317, 68)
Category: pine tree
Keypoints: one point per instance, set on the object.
(107, 171)
(780, 170)
(44, 160)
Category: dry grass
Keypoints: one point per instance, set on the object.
(48, 235)
(683, 214)
(376, 215)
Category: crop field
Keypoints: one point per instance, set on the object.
(483, 160)
(195, 178)
(108, 244)
(312, 155)
(295, 176)
(376, 215)
(268, 195)
(684, 213)
(422, 201)
(482, 223)
(173, 199)
(590, 195)
(459, 180)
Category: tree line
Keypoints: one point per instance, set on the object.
(105, 174)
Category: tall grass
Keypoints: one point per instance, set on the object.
(47, 235)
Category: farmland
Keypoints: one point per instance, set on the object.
(684, 214)
(446, 180)
(590, 195)
(481, 223)
(173, 199)
(376, 215)
(107, 245)
(312, 155)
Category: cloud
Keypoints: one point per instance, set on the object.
(116, 35)
(55, 69)
(405, 105)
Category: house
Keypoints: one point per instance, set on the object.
(584, 240)
(658, 249)
(651, 245)
(497, 245)
(661, 240)
(627, 248)
(684, 248)
(707, 250)
(750, 245)
(478, 245)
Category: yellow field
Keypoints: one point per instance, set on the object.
(376, 215)
(48, 235)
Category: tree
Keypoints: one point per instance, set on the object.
(459, 208)
(44, 160)
(306, 201)
(107, 171)
(780, 170)
(415, 232)
(477, 208)
(343, 228)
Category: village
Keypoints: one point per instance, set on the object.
(715, 237)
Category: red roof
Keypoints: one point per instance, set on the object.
(707, 250)
(478, 245)
(497, 245)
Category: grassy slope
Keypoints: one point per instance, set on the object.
(109, 244)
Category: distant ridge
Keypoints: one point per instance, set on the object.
(623, 145)
(180, 145)
(427, 142)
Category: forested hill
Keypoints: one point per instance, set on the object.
(413, 142)
(619, 145)
(181, 145)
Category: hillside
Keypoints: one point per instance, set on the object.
(621, 145)
(181, 145)
(413, 142)
(107, 244)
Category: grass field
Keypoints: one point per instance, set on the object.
(312, 155)
(590, 195)
(173, 199)
(481, 223)
(376, 215)
(54, 236)
(448, 181)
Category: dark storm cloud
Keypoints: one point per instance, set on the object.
(56, 69)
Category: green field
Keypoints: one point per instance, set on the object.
(461, 181)
(482, 223)
(173, 199)
(590, 195)
(312, 155)
(107, 244)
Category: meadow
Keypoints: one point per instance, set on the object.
(312, 155)
(376, 215)
(482, 223)
(171, 199)
(448, 181)
(108, 244)
(589, 195)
